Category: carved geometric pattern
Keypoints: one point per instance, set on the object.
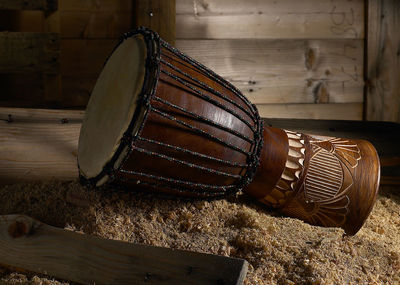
(316, 179)
(291, 174)
(324, 176)
(322, 198)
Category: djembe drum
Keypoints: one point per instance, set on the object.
(161, 121)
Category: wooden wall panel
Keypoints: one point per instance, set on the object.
(48, 5)
(82, 61)
(95, 5)
(93, 24)
(227, 19)
(348, 111)
(383, 61)
(88, 31)
(95, 19)
(158, 15)
(306, 54)
(286, 71)
(84, 57)
(29, 52)
(14, 88)
(22, 21)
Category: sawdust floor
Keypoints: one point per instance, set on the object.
(279, 250)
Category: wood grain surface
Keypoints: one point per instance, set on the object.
(29, 52)
(383, 61)
(345, 111)
(42, 144)
(310, 19)
(28, 244)
(286, 71)
(38, 144)
(156, 15)
(29, 5)
(301, 53)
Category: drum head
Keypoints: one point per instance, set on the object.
(111, 106)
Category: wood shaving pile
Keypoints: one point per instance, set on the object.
(279, 250)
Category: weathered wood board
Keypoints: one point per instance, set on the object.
(28, 244)
(344, 111)
(158, 16)
(42, 144)
(83, 58)
(310, 19)
(94, 24)
(306, 54)
(286, 71)
(29, 52)
(46, 5)
(383, 61)
(38, 144)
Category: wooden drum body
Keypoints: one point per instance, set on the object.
(191, 133)
(159, 120)
(324, 181)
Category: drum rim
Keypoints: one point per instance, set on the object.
(143, 101)
(152, 72)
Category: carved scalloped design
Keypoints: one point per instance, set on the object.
(323, 199)
(291, 174)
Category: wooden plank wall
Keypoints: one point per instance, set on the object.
(294, 59)
(88, 31)
(383, 61)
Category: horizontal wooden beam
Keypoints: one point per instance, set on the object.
(286, 71)
(283, 19)
(38, 144)
(28, 244)
(45, 5)
(29, 52)
(42, 144)
(345, 111)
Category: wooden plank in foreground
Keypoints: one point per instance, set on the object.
(28, 244)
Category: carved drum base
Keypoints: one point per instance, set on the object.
(324, 181)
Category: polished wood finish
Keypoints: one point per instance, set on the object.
(272, 164)
(324, 181)
(161, 129)
(327, 181)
